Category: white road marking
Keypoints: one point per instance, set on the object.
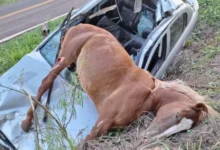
(26, 9)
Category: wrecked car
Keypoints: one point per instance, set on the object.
(152, 33)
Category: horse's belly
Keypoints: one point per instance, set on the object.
(98, 81)
(101, 66)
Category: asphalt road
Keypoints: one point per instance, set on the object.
(25, 14)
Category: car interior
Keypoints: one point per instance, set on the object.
(130, 21)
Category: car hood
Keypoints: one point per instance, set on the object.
(27, 75)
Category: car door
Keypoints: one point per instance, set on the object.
(165, 44)
(178, 31)
(166, 40)
(157, 55)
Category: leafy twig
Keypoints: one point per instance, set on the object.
(36, 123)
(61, 127)
(63, 130)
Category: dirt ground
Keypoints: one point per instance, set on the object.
(199, 65)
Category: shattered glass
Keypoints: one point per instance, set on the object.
(49, 50)
(146, 22)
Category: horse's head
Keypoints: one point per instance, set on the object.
(195, 113)
(177, 108)
(175, 117)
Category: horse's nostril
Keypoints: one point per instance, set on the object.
(178, 117)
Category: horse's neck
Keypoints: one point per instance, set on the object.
(163, 96)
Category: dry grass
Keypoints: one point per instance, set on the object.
(205, 136)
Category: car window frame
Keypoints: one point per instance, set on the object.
(154, 48)
(164, 27)
(183, 14)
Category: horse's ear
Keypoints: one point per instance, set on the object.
(201, 107)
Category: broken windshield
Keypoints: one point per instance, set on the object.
(50, 49)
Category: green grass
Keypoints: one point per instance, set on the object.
(13, 50)
(209, 12)
(6, 2)
(210, 52)
(209, 17)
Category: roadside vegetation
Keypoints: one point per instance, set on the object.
(198, 64)
(6, 2)
(13, 50)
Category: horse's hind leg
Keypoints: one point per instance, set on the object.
(45, 85)
(102, 125)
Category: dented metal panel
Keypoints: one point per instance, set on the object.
(31, 69)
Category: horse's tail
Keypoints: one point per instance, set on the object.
(181, 87)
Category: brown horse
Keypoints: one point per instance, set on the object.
(120, 90)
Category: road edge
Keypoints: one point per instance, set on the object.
(29, 29)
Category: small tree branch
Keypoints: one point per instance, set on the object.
(35, 123)
(11, 89)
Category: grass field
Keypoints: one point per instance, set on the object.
(15, 49)
(6, 2)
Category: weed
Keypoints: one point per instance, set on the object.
(209, 12)
(210, 52)
(209, 16)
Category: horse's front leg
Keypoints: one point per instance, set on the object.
(45, 85)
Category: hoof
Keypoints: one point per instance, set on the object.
(26, 125)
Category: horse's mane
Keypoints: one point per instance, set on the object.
(181, 87)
